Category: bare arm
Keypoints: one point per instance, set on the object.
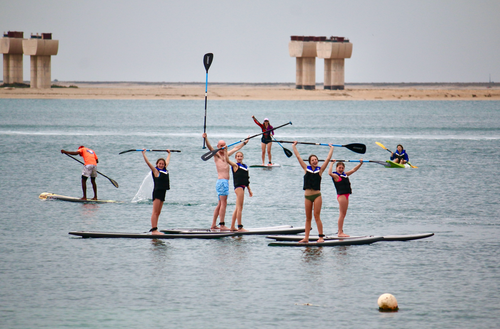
(297, 154)
(329, 156)
(231, 163)
(353, 170)
(167, 160)
(70, 152)
(207, 142)
(237, 147)
(153, 169)
(330, 172)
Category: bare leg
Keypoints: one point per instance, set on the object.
(318, 202)
(240, 198)
(343, 205)
(157, 205)
(269, 152)
(94, 187)
(308, 206)
(222, 211)
(84, 187)
(216, 215)
(263, 147)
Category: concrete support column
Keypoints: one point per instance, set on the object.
(309, 73)
(328, 74)
(11, 46)
(298, 72)
(337, 74)
(43, 72)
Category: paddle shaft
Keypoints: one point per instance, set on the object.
(115, 184)
(138, 150)
(355, 147)
(207, 61)
(373, 161)
(210, 154)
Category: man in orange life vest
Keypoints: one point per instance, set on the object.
(89, 169)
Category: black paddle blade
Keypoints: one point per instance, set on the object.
(356, 147)
(207, 60)
(209, 155)
(126, 151)
(288, 153)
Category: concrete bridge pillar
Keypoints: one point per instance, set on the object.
(304, 49)
(334, 51)
(40, 48)
(11, 46)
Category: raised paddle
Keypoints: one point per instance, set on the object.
(385, 148)
(374, 161)
(210, 154)
(288, 153)
(115, 184)
(207, 61)
(355, 147)
(134, 150)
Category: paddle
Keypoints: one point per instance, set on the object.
(134, 150)
(355, 147)
(207, 61)
(385, 148)
(210, 154)
(115, 184)
(374, 161)
(288, 153)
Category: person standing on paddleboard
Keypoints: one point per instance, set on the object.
(400, 156)
(89, 168)
(266, 140)
(312, 193)
(241, 180)
(161, 181)
(343, 187)
(222, 185)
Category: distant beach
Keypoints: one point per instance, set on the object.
(258, 91)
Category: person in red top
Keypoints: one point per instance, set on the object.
(266, 140)
(89, 169)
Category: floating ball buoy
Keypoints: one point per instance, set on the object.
(387, 303)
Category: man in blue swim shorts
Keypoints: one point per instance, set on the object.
(222, 186)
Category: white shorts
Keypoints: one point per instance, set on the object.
(89, 171)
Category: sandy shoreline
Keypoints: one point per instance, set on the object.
(256, 91)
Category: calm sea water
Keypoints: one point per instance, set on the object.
(52, 280)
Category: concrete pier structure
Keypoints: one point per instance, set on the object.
(11, 46)
(304, 49)
(40, 48)
(334, 50)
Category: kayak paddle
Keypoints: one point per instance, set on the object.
(210, 154)
(355, 147)
(115, 184)
(133, 150)
(374, 161)
(385, 148)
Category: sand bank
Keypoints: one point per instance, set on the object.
(256, 91)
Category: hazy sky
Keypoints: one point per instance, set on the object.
(165, 40)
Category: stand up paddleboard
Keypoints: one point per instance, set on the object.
(393, 164)
(329, 243)
(266, 166)
(52, 196)
(406, 237)
(285, 229)
(86, 234)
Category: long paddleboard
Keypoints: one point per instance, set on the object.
(405, 237)
(266, 166)
(285, 229)
(393, 164)
(52, 196)
(328, 243)
(87, 234)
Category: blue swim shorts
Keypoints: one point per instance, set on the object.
(222, 187)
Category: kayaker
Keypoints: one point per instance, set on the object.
(240, 181)
(266, 140)
(222, 185)
(161, 181)
(89, 168)
(312, 193)
(400, 156)
(343, 187)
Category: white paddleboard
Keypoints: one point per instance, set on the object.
(266, 166)
(52, 196)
